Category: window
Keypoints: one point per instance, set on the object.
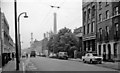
(88, 28)
(100, 17)
(115, 11)
(100, 5)
(84, 28)
(107, 3)
(116, 26)
(84, 16)
(88, 13)
(107, 30)
(116, 30)
(92, 26)
(107, 14)
(93, 11)
(100, 31)
(100, 34)
(99, 50)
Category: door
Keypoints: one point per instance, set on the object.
(109, 52)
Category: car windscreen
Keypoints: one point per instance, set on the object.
(65, 53)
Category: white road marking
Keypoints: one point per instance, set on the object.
(23, 67)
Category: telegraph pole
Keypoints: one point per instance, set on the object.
(16, 39)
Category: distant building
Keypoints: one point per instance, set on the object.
(36, 46)
(78, 33)
(44, 45)
(89, 26)
(108, 30)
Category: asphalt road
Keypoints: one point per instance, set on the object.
(50, 64)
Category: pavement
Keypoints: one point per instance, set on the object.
(11, 66)
(112, 65)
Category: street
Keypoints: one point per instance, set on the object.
(50, 64)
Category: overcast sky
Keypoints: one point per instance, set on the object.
(40, 18)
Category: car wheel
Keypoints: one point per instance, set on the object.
(100, 62)
(66, 58)
(91, 61)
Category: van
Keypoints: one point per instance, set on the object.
(63, 55)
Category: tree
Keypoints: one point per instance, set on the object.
(65, 41)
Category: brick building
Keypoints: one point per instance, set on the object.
(36, 46)
(5, 33)
(108, 30)
(89, 26)
(78, 33)
(7, 44)
(0, 33)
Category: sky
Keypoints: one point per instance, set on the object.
(40, 17)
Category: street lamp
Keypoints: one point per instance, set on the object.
(19, 43)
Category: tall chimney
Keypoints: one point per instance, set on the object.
(55, 23)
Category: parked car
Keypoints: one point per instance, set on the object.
(91, 58)
(52, 56)
(32, 54)
(23, 56)
(63, 55)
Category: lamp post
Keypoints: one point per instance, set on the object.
(16, 38)
(19, 43)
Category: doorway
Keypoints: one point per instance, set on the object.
(109, 52)
(104, 52)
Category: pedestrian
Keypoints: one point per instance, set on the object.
(26, 55)
(12, 56)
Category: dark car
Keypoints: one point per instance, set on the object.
(33, 54)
